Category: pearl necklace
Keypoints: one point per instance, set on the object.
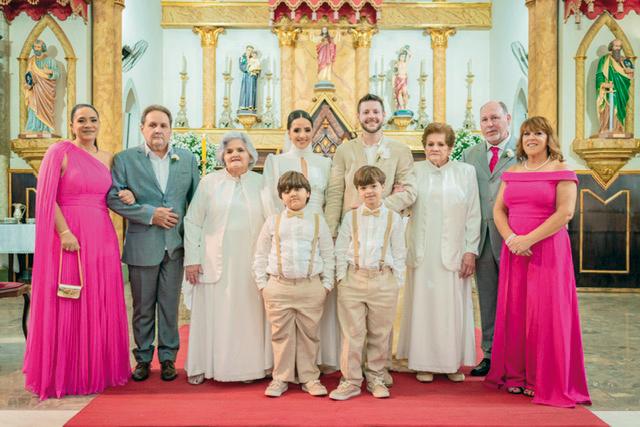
(536, 168)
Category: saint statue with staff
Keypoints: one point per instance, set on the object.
(40, 90)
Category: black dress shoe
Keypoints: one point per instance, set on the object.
(168, 371)
(482, 369)
(141, 372)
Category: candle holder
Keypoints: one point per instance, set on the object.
(225, 118)
(181, 118)
(469, 120)
(423, 118)
(268, 120)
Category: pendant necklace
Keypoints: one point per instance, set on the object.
(536, 168)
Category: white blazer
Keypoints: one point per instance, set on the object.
(208, 214)
(460, 213)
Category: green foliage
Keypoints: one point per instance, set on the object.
(464, 140)
(193, 143)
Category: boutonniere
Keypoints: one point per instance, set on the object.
(383, 151)
(509, 153)
(175, 157)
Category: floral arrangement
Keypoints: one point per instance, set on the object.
(464, 140)
(193, 143)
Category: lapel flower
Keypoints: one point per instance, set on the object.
(175, 157)
(383, 151)
(509, 153)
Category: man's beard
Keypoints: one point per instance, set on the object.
(364, 128)
(617, 54)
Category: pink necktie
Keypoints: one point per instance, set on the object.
(494, 158)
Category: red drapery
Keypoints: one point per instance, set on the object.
(333, 10)
(36, 9)
(594, 8)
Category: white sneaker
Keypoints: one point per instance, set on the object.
(276, 388)
(456, 377)
(345, 391)
(315, 388)
(195, 379)
(424, 377)
(378, 389)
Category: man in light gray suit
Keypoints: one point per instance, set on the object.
(490, 159)
(152, 186)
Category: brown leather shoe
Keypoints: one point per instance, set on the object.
(141, 372)
(168, 371)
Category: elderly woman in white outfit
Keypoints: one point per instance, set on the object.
(298, 156)
(443, 233)
(228, 337)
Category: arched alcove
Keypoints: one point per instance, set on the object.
(69, 55)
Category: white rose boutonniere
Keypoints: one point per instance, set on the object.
(175, 157)
(509, 153)
(383, 151)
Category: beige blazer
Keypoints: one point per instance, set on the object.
(395, 160)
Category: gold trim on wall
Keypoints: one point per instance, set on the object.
(627, 193)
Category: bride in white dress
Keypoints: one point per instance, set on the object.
(297, 155)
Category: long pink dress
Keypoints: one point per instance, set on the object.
(76, 346)
(537, 342)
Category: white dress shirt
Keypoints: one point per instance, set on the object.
(371, 230)
(160, 165)
(296, 237)
(371, 151)
(500, 146)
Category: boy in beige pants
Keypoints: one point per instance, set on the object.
(370, 267)
(294, 267)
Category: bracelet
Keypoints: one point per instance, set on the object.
(510, 238)
(65, 231)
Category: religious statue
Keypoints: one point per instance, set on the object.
(40, 89)
(401, 80)
(613, 80)
(326, 51)
(250, 67)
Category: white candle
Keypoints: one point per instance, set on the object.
(273, 70)
(375, 67)
(228, 65)
(382, 65)
(184, 64)
(469, 66)
(422, 67)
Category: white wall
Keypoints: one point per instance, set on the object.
(570, 37)
(80, 37)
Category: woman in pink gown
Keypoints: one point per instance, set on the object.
(76, 346)
(537, 345)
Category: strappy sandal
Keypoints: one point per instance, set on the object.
(529, 392)
(515, 390)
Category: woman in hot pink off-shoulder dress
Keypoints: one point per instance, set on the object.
(76, 346)
(537, 345)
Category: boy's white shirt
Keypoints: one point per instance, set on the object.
(371, 231)
(296, 235)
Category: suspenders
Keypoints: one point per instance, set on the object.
(356, 239)
(314, 243)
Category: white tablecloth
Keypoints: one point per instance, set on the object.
(17, 238)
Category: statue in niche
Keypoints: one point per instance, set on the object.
(613, 80)
(326, 51)
(250, 67)
(40, 90)
(401, 79)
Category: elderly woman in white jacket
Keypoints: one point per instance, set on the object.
(228, 337)
(443, 233)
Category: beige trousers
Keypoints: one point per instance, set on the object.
(366, 309)
(294, 309)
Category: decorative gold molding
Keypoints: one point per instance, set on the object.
(362, 36)
(208, 35)
(440, 36)
(69, 55)
(32, 150)
(287, 36)
(627, 193)
(395, 15)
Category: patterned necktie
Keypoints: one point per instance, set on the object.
(495, 151)
(299, 214)
(304, 167)
(367, 212)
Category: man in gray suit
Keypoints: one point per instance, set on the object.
(152, 185)
(490, 159)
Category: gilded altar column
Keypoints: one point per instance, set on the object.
(208, 41)
(362, 44)
(439, 43)
(543, 59)
(287, 38)
(107, 70)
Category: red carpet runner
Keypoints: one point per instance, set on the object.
(157, 403)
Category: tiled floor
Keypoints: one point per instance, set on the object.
(611, 333)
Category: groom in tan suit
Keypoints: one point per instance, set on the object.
(371, 148)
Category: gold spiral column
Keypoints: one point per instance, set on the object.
(287, 38)
(362, 45)
(439, 43)
(208, 41)
(543, 59)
